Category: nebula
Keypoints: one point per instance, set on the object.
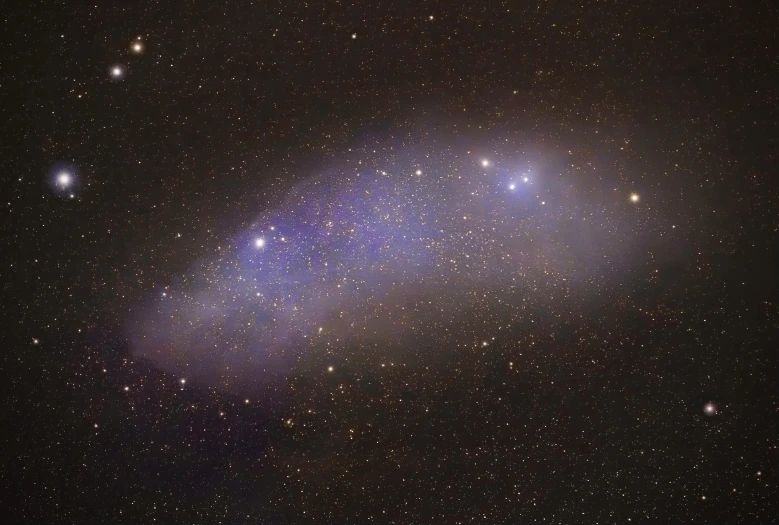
(387, 249)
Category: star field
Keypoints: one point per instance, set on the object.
(391, 262)
(373, 251)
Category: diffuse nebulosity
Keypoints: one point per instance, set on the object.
(384, 248)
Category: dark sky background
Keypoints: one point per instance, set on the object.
(600, 417)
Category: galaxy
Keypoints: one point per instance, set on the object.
(390, 263)
(336, 265)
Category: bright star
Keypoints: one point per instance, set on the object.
(259, 242)
(64, 179)
(485, 162)
(512, 186)
(137, 47)
(182, 381)
(418, 172)
(329, 368)
(634, 197)
(354, 36)
(524, 179)
(117, 72)
(710, 409)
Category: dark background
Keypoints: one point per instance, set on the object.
(231, 104)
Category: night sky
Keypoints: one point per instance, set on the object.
(390, 262)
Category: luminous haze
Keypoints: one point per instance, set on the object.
(390, 262)
(338, 262)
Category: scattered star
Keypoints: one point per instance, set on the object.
(499, 360)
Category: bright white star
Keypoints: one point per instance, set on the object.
(117, 72)
(259, 242)
(634, 197)
(512, 186)
(485, 162)
(64, 179)
(524, 179)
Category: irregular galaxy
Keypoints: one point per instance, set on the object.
(380, 253)
(390, 262)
